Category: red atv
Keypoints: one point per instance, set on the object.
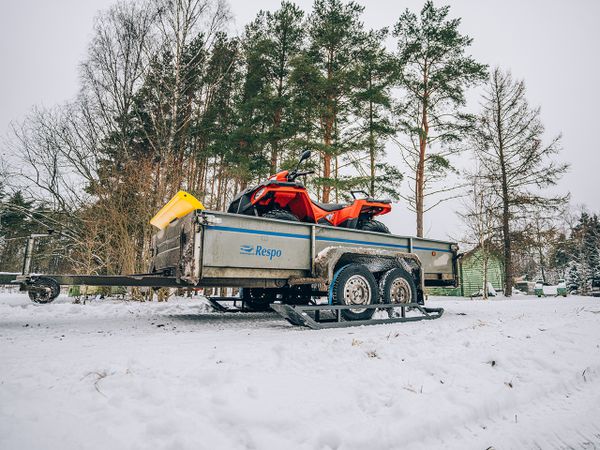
(282, 197)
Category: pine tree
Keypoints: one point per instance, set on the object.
(270, 44)
(329, 69)
(234, 159)
(373, 106)
(573, 277)
(434, 73)
(590, 254)
(15, 226)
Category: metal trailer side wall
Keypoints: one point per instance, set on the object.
(235, 246)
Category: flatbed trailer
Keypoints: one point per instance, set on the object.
(324, 274)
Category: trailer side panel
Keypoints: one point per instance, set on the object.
(249, 247)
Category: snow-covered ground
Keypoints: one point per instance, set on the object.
(501, 374)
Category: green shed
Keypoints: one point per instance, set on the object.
(470, 274)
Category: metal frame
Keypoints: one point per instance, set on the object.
(134, 280)
(301, 314)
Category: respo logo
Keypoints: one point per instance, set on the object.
(246, 249)
(268, 252)
(261, 251)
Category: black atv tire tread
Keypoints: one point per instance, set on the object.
(374, 225)
(337, 290)
(280, 214)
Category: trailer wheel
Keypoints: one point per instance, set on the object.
(43, 290)
(398, 287)
(354, 285)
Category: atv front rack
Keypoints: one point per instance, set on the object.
(330, 316)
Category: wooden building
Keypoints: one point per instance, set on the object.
(470, 270)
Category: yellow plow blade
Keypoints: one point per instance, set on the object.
(182, 204)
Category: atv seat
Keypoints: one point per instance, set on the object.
(329, 207)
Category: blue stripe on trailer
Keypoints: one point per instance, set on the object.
(321, 238)
(433, 249)
(264, 233)
(354, 241)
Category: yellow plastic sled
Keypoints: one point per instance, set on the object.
(183, 203)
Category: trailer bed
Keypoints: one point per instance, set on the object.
(210, 248)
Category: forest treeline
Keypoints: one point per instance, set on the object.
(170, 99)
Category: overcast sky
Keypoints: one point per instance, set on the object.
(553, 45)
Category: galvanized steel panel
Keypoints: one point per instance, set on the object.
(249, 242)
(239, 241)
(267, 246)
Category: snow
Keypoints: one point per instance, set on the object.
(521, 373)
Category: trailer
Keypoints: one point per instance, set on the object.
(311, 275)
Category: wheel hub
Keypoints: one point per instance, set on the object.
(357, 291)
(400, 291)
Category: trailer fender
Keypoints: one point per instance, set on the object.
(331, 259)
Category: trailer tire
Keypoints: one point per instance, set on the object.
(373, 225)
(353, 284)
(43, 290)
(280, 214)
(397, 286)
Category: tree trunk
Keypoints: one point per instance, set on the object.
(327, 161)
(371, 144)
(486, 259)
(508, 269)
(275, 141)
(328, 135)
(277, 121)
(542, 264)
(420, 175)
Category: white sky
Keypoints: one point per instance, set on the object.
(554, 45)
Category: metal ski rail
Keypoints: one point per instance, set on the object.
(215, 302)
(301, 314)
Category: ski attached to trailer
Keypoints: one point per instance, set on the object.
(319, 317)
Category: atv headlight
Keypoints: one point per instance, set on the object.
(260, 193)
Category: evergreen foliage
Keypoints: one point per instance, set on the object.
(434, 72)
(573, 277)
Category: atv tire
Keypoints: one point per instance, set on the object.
(280, 214)
(373, 225)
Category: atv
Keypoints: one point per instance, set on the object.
(283, 197)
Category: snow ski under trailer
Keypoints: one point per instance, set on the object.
(311, 275)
